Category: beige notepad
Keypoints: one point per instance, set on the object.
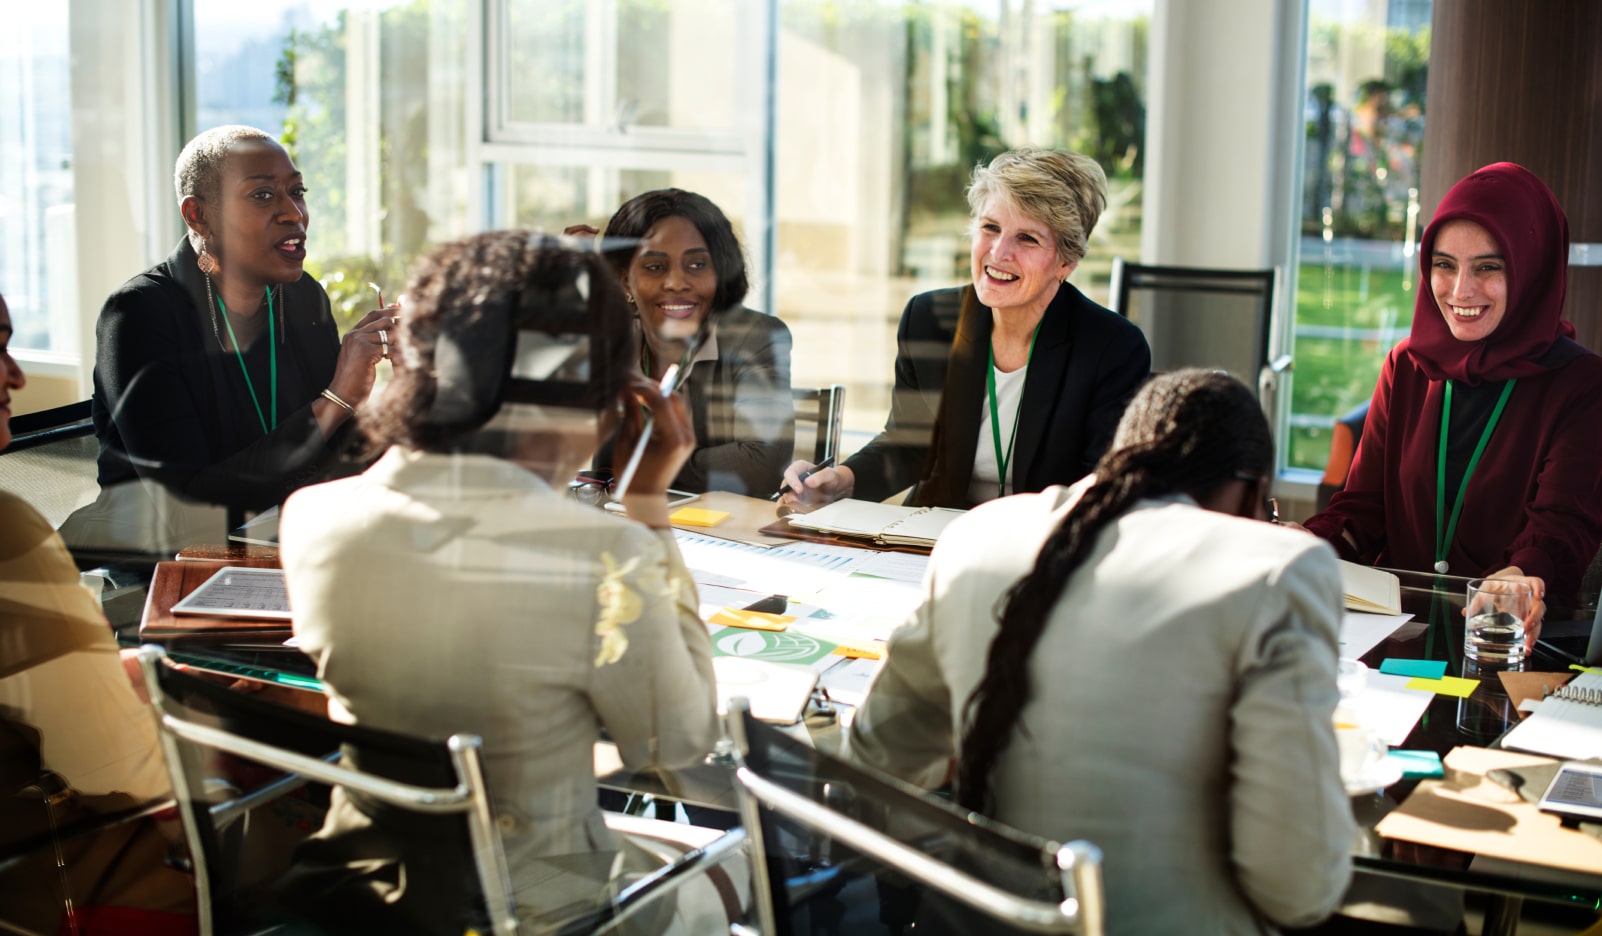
(1370, 589)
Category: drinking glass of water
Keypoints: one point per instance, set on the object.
(1497, 609)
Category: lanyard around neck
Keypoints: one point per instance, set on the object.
(1004, 458)
(272, 365)
(1444, 543)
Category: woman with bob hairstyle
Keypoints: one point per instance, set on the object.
(683, 271)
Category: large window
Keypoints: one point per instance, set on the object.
(1366, 66)
(368, 98)
(37, 248)
(853, 200)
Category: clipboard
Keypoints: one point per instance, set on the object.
(175, 579)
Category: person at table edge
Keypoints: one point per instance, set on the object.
(1014, 382)
(1488, 341)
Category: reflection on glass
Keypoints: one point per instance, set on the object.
(1364, 131)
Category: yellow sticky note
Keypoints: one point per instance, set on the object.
(754, 620)
(860, 651)
(698, 516)
(1446, 685)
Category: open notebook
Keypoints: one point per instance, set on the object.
(1567, 724)
(889, 524)
(1370, 589)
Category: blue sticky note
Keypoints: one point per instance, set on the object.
(1426, 669)
(1418, 765)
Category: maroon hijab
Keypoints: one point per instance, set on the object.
(1525, 220)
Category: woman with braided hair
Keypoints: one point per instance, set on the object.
(1138, 661)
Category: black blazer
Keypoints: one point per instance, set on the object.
(170, 406)
(1087, 363)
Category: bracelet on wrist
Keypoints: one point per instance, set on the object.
(333, 398)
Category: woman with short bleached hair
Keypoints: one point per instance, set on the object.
(220, 378)
(1014, 382)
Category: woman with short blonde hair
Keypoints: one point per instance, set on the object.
(1014, 382)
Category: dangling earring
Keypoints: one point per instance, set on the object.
(628, 298)
(206, 262)
(211, 306)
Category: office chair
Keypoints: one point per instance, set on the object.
(832, 844)
(51, 461)
(823, 410)
(1344, 436)
(1199, 317)
(433, 779)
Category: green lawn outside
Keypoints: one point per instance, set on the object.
(1335, 374)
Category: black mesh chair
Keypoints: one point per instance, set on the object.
(822, 412)
(429, 793)
(837, 849)
(1200, 317)
(50, 462)
(442, 783)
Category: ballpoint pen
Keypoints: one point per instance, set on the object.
(626, 477)
(802, 478)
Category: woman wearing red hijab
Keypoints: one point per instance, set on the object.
(1513, 485)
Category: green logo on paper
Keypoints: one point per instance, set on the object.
(771, 646)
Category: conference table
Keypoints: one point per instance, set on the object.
(1435, 632)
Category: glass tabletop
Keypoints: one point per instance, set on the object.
(1435, 633)
(1437, 603)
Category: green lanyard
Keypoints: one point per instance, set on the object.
(272, 366)
(1003, 458)
(1443, 543)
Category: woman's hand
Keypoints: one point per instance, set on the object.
(672, 440)
(820, 487)
(354, 371)
(1537, 612)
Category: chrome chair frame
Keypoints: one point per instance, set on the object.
(827, 410)
(469, 797)
(1082, 911)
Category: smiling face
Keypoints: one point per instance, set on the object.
(1468, 276)
(1015, 261)
(672, 280)
(257, 227)
(10, 375)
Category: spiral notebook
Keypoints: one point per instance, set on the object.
(889, 524)
(1567, 724)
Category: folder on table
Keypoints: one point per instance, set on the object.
(887, 524)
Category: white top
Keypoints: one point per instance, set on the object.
(986, 472)
(1194, 744)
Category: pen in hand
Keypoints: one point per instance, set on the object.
(802, 478)
(668, 385)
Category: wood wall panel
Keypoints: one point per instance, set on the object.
(1522, 81)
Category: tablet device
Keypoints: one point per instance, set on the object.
(1575, 793)
(674, 499)
(239, 592)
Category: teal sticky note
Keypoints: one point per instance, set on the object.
(1427, 669)
(1418, 765)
